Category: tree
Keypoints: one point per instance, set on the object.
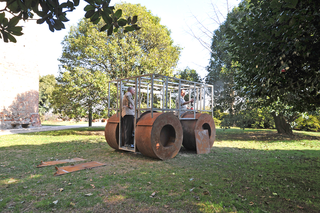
(276, 44)
(220, 71)
(149, 50)
(80, 92)
(54, 14)
(189, 74)
(46, 86)
(87, 51)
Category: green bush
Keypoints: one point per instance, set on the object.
(217, 122)
(307, 123)
(249, 118)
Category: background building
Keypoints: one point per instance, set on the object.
(19, 79)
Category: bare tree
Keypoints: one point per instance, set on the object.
(204, 33)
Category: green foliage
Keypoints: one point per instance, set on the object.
(217, 122)
(277, 44)
(46, 86)
(54, 14)
(149, 50)
(221, 69)
(249, 117)
(188, 74)
(80, 92)
(308, 122)
(91, 58)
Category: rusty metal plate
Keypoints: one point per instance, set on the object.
(74, 168)
(202, 141)
(50, 163)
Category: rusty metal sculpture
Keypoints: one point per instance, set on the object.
(159, 133)
(190, 128)
(159, 136)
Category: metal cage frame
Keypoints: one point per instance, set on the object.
(161, 87)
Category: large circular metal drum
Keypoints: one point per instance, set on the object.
(201, 122)
(111, 131)
(159, 136)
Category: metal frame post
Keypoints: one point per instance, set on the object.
(152, 95)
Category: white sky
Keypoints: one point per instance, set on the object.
(176, 15)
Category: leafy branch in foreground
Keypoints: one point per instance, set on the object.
(54, 14)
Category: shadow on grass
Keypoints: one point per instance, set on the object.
(262, 135)
(228, 179)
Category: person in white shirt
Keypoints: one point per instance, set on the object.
(128, 117)
(183, 103)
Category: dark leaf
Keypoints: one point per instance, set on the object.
(11, 38)
(129, 28)
(118, 13)
(63, 18)
(107, 19)
(5, 36)
(95, 16)
(89, 14)
(2, 15)
(40, 21)
(105, 27)
(76, 2)
(96, 21)
(134, 19)
(122, 22)
(14, 21)
(89, 7)
(110, 30)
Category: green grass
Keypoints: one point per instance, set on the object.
(246, 171)
(61, 123)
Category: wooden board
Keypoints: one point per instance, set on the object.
(202, 141)
(50, 163)
(81, 166)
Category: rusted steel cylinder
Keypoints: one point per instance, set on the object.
(111, 132)
(159, 137)
(202, 121)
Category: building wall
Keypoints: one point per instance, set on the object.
(19, 80)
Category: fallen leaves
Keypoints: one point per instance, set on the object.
(88, 195)
(55, 202)
(153, 194)
(12, 180)
(206, 193)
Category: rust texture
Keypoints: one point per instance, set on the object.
(82, 166)
(159, 137)
(50, 163)
(112, 131)
(202, 141)
(202, 122)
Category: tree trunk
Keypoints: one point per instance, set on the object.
(90, 117)
(282, 125)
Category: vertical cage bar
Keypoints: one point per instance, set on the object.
(152, 96)
(109, 100)
(204, 97)
(148, 96)
(179, 94)
(166, 92)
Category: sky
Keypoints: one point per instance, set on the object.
(179, 16)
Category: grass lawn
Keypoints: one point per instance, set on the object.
(61, 123)
(246, 171)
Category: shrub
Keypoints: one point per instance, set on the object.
(307, 122)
